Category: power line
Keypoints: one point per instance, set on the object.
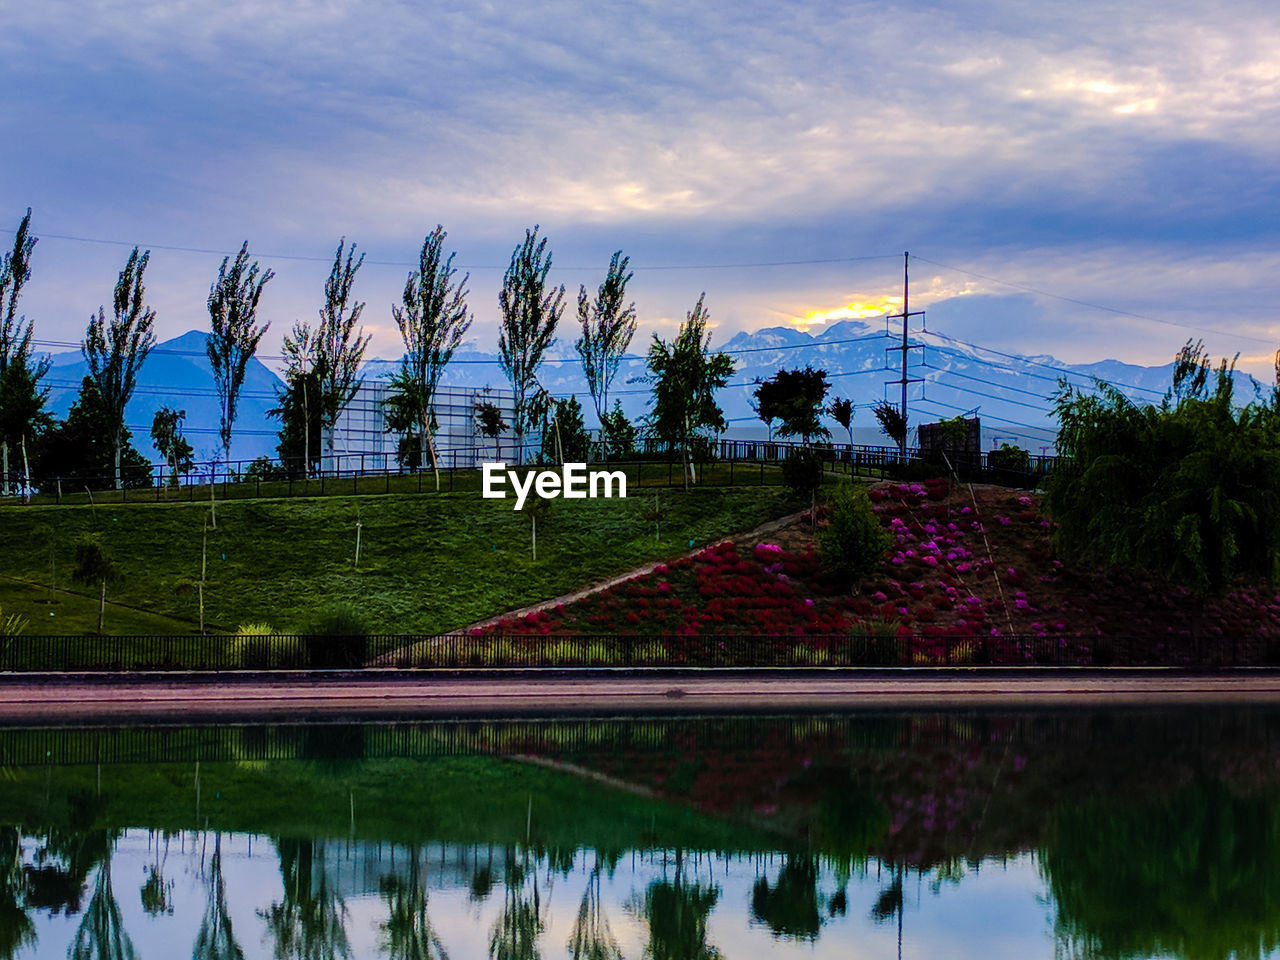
(1096, 306)
(205, 251)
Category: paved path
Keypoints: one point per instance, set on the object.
(282, 696)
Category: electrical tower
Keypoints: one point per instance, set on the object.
(906, 316)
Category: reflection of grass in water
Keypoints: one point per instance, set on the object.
(464, 799)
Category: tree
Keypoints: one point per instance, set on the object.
(82, 447)
(564, 435)
(488, 418)
(1188, 490)
(893, 423)
(299, 409)
(95, 568)
(530, 312)
(22, 400)
(19, 380)
(166, 434)
(233, 305)
(685, 377)
(607, 329)
(853, 543)
(619, 434)
(795, 398)
(841, 411)
(432, 323)
(337, 355)
(116, 350)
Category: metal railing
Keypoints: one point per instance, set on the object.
(217, 653)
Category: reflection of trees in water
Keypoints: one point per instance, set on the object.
(1191, 874)
(515, 935)
(309, 922)
(591, 938)
(101, 934)
(676, 912)
(215, 939)
(408, 933)
(157, 891)
(789, 908)
(16, 928)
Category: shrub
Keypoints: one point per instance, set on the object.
(257, 646)
(337, 637)
(853, 543)
(1009, 458)
(266, 469)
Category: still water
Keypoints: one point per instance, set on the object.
(920, 835)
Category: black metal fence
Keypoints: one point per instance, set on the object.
(723, 463)
(484, 652)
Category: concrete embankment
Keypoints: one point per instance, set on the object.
(249, 697)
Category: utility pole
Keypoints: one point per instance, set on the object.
(906, 316)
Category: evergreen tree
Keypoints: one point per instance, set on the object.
(166, 434)
(299, 409)
(81, 447)
(234, 337)
(115, 350)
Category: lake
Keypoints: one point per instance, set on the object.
(921, 834)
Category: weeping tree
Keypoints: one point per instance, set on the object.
(607, 329)
(1188, 489)
(95, 567)
(338, 346)
(685, 376)
(21, 398)
(530, 313)
(235, 334)
(432, 321)
(115, 349)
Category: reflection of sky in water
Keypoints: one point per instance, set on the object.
(997, 911)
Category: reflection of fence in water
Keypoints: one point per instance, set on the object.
(1187, 727)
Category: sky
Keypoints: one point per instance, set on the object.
(1085, 179)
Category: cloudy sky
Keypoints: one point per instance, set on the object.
(1084, 179)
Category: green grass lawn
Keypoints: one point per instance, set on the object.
(428, 563)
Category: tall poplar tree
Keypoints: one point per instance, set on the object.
(607, 329)
(530, 312)
(234, 334)
(337, 355)
(21, 398)
(432, 321)
(115, 349)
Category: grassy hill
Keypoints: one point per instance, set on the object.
(428, 563)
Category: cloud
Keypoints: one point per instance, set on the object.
(1119, 155)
